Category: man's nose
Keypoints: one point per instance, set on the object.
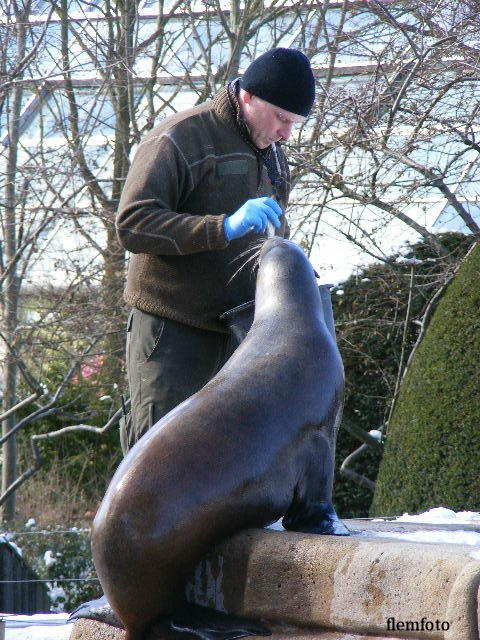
(286, 131)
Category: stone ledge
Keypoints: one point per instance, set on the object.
(91, 630)
(348, 586)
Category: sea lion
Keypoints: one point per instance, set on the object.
(256, 443)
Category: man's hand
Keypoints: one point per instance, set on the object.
(253, 215)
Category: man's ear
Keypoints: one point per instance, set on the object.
(247, 96)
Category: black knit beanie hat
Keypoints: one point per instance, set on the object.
(282, 77)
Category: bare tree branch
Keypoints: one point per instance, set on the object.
(40, 437)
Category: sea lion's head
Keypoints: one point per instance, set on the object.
(285, 278)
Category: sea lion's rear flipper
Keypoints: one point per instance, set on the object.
(98, 609)
(208, 624)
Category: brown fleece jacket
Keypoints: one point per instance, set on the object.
(188, 173)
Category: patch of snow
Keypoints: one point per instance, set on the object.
(437, 515)
(441, 515)
(7, 538)
(41, 626)
(408, 261)
(439, 536)
(57, 596)
(15, 547)
(49, 558)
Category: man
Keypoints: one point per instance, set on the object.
(204, 184)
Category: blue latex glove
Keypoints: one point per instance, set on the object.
(253, 215)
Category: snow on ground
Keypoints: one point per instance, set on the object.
(439, 537)
(439, 516)
(53, 626)
(41, 626)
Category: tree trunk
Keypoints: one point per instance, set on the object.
(12, 285)
(114, 254)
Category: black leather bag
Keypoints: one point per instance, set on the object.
(240, 319)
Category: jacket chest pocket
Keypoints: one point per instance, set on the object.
(229, 184)
(232, 168)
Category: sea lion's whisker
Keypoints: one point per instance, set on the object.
(244, 264)
(254, 247)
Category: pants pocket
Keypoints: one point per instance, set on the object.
(149, 336)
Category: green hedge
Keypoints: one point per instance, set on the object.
(432, 454)
(370, 329)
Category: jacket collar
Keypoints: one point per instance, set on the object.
(226, 105)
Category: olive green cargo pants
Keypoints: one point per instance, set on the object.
(166, 363)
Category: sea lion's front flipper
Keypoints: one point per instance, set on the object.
(331, 524)
(209, 624)
(311, 510)
(318, 518)
(98, 609)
